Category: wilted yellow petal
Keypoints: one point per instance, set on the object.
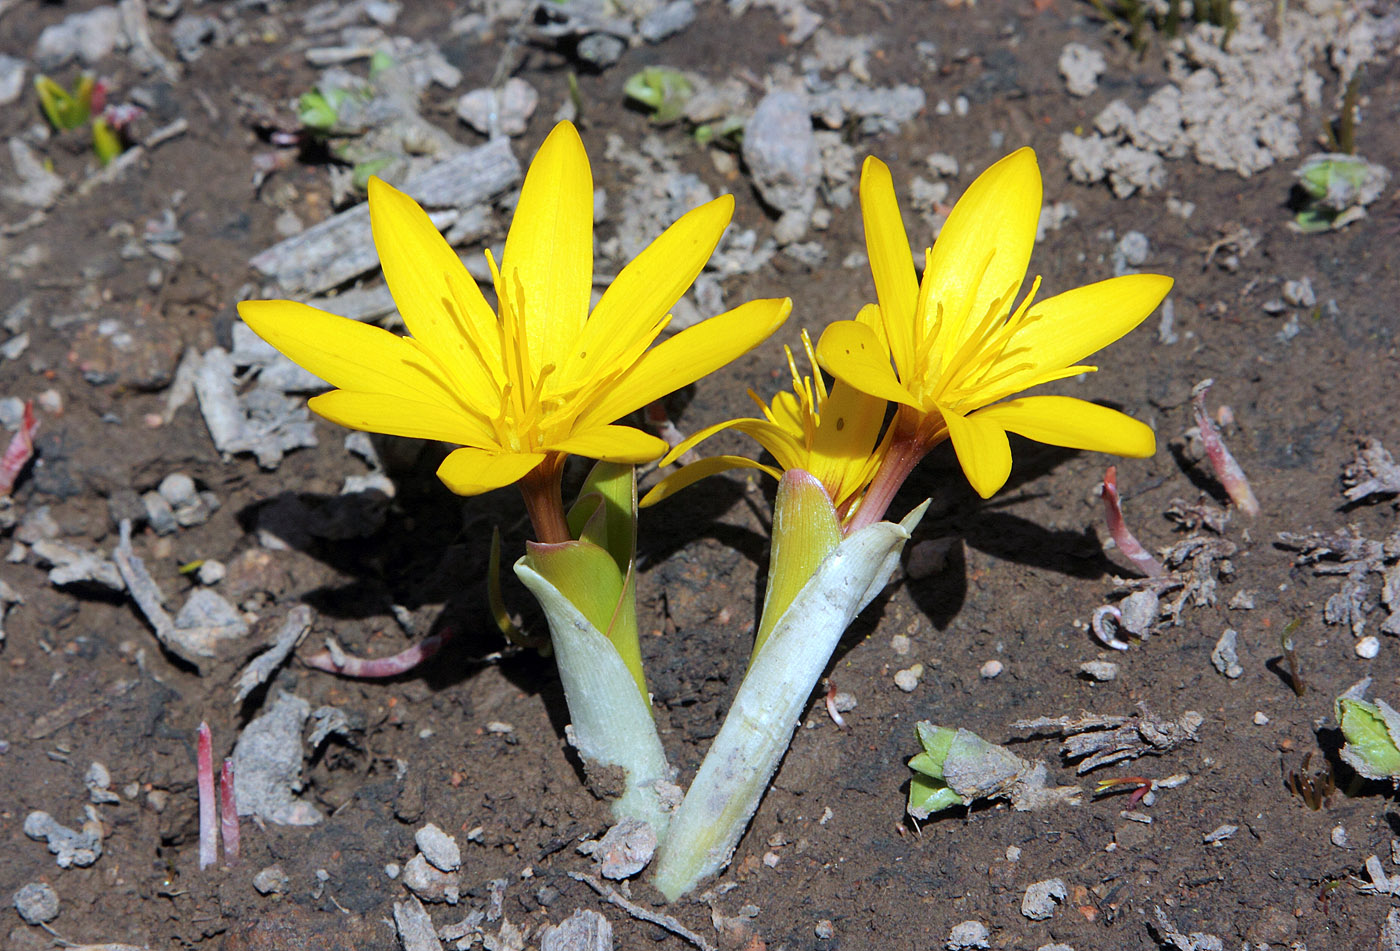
(649, 286)
(688, 475)
(687, 356)
(851, 351)
(474, 471)
(1073, 423)
(550, 246)
(983, 452)
(992, 226)
(891, 259)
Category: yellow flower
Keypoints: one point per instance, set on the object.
(539, 376)
(957, 344)
(832, 435)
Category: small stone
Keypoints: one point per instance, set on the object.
(1039, 901)
(508, 109)
(271, 881)
(36, 903)
(824, 929)
(900, 644)
(1081, 68)
(99, 785)
(968, 934)
(429, 883)
(438, 848)
(1339, 837)
(1100, 670)
(770, 859)
(908, 679)
(211, 571)
(1139, 611)
(1368, 647)
(1219, 835)
(159, 515)
(941, 163)
(584, 930)
(991, 669)
(1261, 718)
(392, 870)
(667, 21)
(624, 850)
(1299, 293)
(1225, 658)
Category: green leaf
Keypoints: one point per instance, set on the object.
(664, 90)
(605, 512)
(927, 796)
(105, 141)
(1370, 730)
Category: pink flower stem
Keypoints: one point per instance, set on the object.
(1125, 540)
(1227, 470)
(228, 814)
(19, 451)
(204, 771)
(914, 435)
(336, 661)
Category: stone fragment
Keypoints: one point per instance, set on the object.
(1040, 898)
(271, 881)
(1081, 68)
(37, 903)
(968, 934)
(431, 884)
(438, 847)
(781, 153)
(72, 849)
(267, 765)
(504, 111)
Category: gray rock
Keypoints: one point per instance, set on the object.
(438, 848)
(205, 609)
(36, 903)
(504, 111)
(1039, 901)
(415, 927)
(192, 33)
(968, 934)
(624, 850)
(79, 849)
(12, 72)
(584, 930)
(1081, 68)
(1299, 293)
(431, 884)
(38, 187)
(781, 152)
(667, 21)
(267, 765)
(178, 489)
(87, 37)
(271, 881)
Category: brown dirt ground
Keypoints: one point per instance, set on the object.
(1026, 567)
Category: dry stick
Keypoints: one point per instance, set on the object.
(228, 814)
(1125, 540)
(204, 771)
(334, 660)
(637, 911)
(1227, 470)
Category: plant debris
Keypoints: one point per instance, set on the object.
(1114, 739)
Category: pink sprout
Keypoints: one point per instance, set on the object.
(1125, 540)
(228, 814)
(1227, 470)
(20, 450)
(334, 660)
(204, 772)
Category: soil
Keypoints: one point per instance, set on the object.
(474, 742)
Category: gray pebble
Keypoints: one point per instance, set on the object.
(271, 881)
(968, 934)
(1039, 901)
(37, 903)
(11, 78)
(429, 883)
(159, 514)
(86, 36)
(667, 21)
(211, 571)
(781, 152)
(178, 489)
(1100, 670)
(584, 930)
(438, 848)
(1299, 293)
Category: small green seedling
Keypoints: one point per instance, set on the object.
(68, 110)
(663, 90)
(1372, 731)
(1338, 187)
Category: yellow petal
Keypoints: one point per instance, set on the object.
(1075, 424)
(346, 353)
(550, 246)
(687, 356)
(765, 433)
(849, 430)
(851, 351)
(395, 416)
(983, 451)
(1066, 328)
(649, 287)
(992, 226)
(613, 444)
(696, 471)
(891, 260)
(474, 471)
(440, 303)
